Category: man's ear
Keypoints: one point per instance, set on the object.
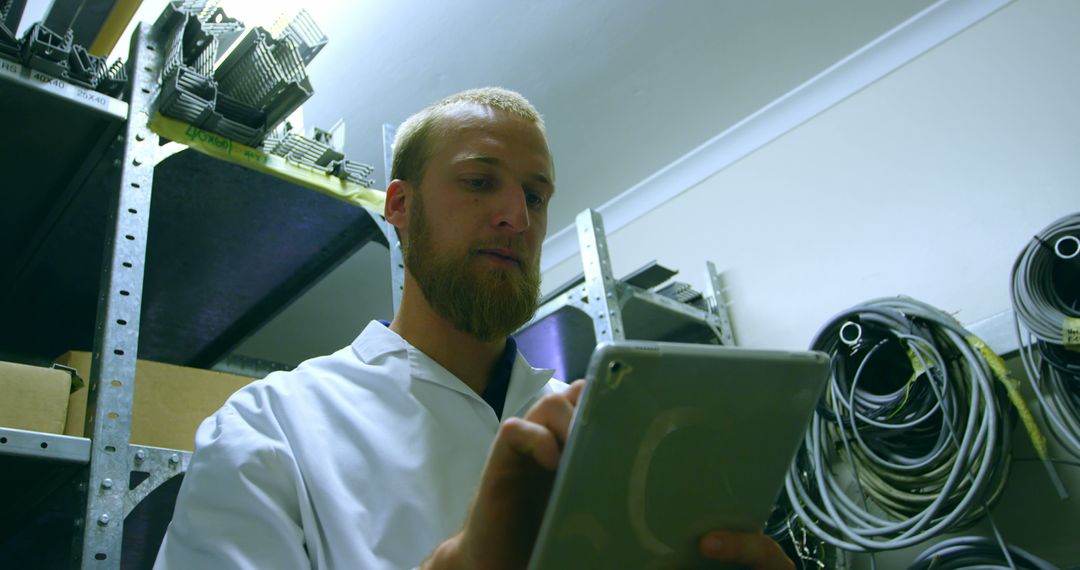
(396, 210)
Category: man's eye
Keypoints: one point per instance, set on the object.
(534, 199)
(476, 183)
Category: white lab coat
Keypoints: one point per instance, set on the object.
(364, 459)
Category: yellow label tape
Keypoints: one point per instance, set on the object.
(1012, 388)
(1070, 333)
(222, 148)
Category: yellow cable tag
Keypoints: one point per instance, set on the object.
(917, 365)
(1070, 333)
(1012, 388)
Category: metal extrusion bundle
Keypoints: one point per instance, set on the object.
(259, 84)
(236, 121)
(188, 96)
(357, 172)
(189, 90)
(47, 51)
(317, 154)
(113, 79)
(307, 152)
(266, 73)
(304, 32)
(911, 439)
(187, 41)
(85, 68)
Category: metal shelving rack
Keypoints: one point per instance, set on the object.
(52, 236)
(598, 307)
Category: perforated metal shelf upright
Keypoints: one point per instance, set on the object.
(116, 342)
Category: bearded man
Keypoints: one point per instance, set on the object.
(377, 455)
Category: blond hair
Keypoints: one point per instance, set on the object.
(413, 143)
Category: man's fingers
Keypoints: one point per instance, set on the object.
(755, 551)
(541, 434)
(528, 439)
(573, 394)
(553, 412)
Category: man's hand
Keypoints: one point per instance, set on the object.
(505, 517)
(754, 551)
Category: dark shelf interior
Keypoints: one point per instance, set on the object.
(228, 247)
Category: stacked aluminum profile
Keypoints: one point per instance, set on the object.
(55, 54)
(303, 32)
(317, 153)
(113, 79)
(46, 50)
(266, 73)
(260, 83)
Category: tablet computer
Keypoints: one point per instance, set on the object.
(670, 441)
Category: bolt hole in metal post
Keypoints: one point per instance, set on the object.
(44, 445)
(124, 293)
(110, 449)
(3, 440)
(113, 415)
(128, 265)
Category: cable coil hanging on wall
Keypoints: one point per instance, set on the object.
(911, 438)
(1046, 302)
(976, 552)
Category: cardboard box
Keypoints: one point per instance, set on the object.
(33, 398)
(170, 401)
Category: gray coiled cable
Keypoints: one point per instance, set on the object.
(1039, 314)
(856, 483)
(976, 552)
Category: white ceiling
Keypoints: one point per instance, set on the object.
(625, 87)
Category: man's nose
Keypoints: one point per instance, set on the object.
(513, 211)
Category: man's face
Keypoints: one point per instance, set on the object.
(476, 227)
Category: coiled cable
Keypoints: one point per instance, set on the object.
(976, 552)
(1046, 280)
(889, 464)
(1046, 307)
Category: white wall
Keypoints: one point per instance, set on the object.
(927, 183)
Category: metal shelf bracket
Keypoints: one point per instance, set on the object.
(600, 285)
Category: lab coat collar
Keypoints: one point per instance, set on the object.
(377, 340)
(525, 381)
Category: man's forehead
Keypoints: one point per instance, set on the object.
(473, 125)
